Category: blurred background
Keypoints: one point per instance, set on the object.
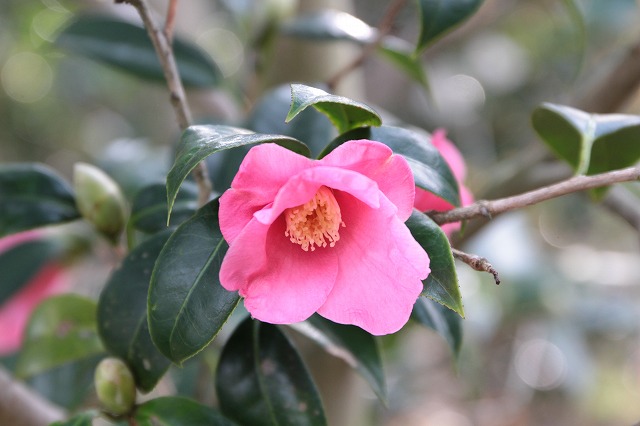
(557, 343)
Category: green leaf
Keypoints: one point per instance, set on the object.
(32, 195)
(128, 47)
(81, 419)
(344, 113)
(590, 143)
(441, 319)
(173, 410)
(352, 344)
(187, 305)
(438, 17)
(261, 380)
(62, 329)
(24, 261)
(442, 283)
(122, 314)
(401, 54)
(149, 210)
(199, 142)
(430, 170)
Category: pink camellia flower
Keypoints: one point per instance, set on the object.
(426, 201)
(325, 236)
(15, 312)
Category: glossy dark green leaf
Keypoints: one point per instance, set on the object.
(24, 261)
(352, 344)
(430, 170)
(344, 113)
(187, 305)
(122, 314)
(437, 17)
(149, 209)
(62, 329)
(81, 419)
(261, 380)
(590, 143)
(199, 142)
(441, 319)
(173, 410)
(442, 283)
(33, 195)
(127, 47)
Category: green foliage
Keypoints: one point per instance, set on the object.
(438, 17)
(443, 320)
(187, 305)
(354, 345)
(171, 410)
(128, 48)
(590, 143)
(344, 113)
(430, 170)
(122, 314)
(442, 283)
(81, 419)
(199, 142)
(32, 195)
(261, 380)
(149, 209)
(61, 330)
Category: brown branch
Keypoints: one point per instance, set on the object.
(384, 28)
(575, 184)
(20, 406)
(478, 263)
(178, 98)
(170, 22)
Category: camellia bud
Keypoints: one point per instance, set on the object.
(115, 386)
(99, 199)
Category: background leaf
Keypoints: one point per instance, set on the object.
(344, 113)
(149, 209)
(128, 47)
(352, 344)
(442, 283)
(430, 170)
(122, 314)
(82, 419)
(437, 17)
(261, 380)
(62, 329)
(173, 410)
(187, 304)
(199, 142)
(441, 319)
(33, 195)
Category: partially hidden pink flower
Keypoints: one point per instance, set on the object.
(325, 236)
(426, 201)
(14, 313)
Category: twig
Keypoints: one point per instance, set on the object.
(386, 24)
(478, 263)
(21, 406)
(575, 184)
(170, 22)
(164, 51)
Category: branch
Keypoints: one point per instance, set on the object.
(478, 263)
(386, 24)
(171, 20)
(495, 207)
(163, 48)
(20, 406)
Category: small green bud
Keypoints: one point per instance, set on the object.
(115, 386)
(99, 200)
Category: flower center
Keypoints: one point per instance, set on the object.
(316, 222)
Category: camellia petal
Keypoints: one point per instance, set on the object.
(381, 268)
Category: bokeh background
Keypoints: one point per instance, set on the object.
(557, 343)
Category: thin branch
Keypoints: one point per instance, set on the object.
(386, 24)
(164, 51)
(478, 263)
(20, 406)
(170, 22)
(575, 184)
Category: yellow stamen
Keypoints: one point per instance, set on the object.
(316, 222)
